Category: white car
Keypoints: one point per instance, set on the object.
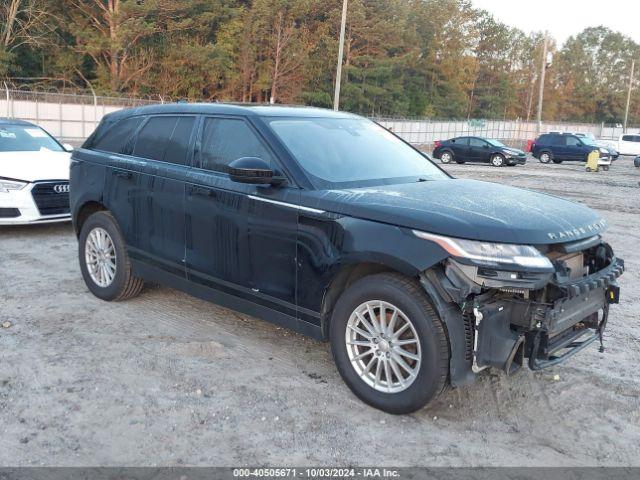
(628, 144)
(34, 175)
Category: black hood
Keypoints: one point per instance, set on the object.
(465, 209)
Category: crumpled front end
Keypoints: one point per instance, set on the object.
(513, 317)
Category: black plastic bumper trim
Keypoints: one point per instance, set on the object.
(601, 279)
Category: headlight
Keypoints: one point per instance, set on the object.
(7, 186)
(489, 254)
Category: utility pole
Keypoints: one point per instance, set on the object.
(343, 27)
(543, 71)
(626, 110)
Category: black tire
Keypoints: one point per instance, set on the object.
(497, 160)
(447, 156)
(460, 162)
(124, 285)
(605, 168)
(556, 161)
(545, 156)
(407, 295)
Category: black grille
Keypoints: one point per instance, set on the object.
(9, 212)
(51, 198)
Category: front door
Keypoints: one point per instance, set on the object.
(576, 150)
(240, 238)
(478, 150)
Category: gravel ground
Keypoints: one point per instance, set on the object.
(166, 379)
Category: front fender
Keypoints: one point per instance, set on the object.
(326, 246)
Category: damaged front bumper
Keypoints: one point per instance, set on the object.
(504, 319)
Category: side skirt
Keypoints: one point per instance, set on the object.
(155, 274)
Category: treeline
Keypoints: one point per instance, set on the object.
(435, 58)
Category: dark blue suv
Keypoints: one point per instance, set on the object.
(559, 147)
(328, 224)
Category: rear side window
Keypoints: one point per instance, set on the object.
(225, 140)
(631, 138)
(113, 139)
(544, 140)
(558, 140)
(165, 138)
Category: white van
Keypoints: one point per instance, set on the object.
(629, 144)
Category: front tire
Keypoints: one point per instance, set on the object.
(497, 160)
(104, 261)
(389, 344)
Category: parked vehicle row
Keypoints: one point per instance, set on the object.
(328, 224)
(556, 147)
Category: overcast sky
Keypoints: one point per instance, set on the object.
(564, 18)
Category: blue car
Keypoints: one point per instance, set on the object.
(560, 147)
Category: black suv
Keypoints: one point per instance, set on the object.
(558, 147)
(476, 149)
(330, 225)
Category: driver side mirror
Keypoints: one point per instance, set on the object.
(253, 170)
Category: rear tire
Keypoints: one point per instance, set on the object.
(372, 366)
(545, 157)
(446, 156)
(104, 261)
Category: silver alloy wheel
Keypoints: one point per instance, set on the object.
(497, 161)
(383, 346)
(100, 257)
(445, 157)
(545, 158)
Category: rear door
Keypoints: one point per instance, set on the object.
(162, 152)
(240, 238)
(558, 144)
(460, 147)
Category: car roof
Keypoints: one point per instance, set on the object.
(246, 109)
(15, 121)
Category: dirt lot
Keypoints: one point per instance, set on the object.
(166, 379)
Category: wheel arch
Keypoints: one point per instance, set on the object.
(356, 268)
(87, 209)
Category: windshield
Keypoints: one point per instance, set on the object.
(351, 152)
(26, 138)
(496, 143)
(588, 141)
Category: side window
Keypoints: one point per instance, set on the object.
(115, 137)
(627, 138)
(558, 140)
(178, 146)
(636, 138)
(154, 137)
(476, 142)
(573, 141)
(544, 140)
(225, 140)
